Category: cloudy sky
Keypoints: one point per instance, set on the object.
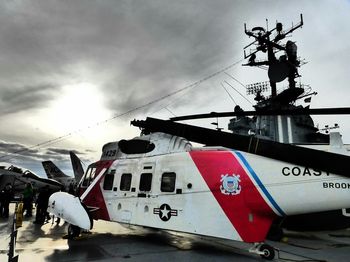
(68, 66)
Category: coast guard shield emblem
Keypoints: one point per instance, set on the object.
(230, 184)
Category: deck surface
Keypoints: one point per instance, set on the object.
(112, 242)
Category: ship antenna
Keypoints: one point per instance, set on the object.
(279, 68)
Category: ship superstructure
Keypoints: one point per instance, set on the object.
(282, 64)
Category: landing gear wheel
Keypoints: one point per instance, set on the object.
(73, 231)
(269, 252)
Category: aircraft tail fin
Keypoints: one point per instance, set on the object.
(77, 166)
(51, 170)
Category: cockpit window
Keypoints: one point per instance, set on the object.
(89, 176)
(93, 174)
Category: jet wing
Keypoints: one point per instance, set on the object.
(19, 181)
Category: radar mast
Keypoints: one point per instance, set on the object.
(281, 60)
(285, 66)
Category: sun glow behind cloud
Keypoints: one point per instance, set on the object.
(79, 107)
(83, 57)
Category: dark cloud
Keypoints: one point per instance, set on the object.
(138, 51)
(86, 151)
(15, 99)
(31, 158)
(144, 49)
(10, 149)
(172, 45)
(62, 151)
(20, 155)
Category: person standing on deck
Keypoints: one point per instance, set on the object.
(28, 200)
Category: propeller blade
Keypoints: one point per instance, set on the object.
(325, 161)
(296, 111)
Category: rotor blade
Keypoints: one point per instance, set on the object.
(321, 160)
(296, 111)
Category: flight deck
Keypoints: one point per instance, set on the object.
(112, 242)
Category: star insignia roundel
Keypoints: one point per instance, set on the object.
(165, 212)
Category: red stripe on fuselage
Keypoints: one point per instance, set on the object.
(95, 197)
(248, 212)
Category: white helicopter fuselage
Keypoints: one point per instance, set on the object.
(209, 191)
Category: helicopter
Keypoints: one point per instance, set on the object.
(278, 118)
(232, 188)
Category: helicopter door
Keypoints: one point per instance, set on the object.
(124, 192)
(146, 178)
(109, 188)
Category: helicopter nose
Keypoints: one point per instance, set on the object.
(69, 208)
